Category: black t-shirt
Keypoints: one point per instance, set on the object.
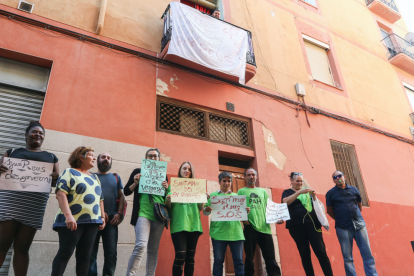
(41, 156)
(298, 212)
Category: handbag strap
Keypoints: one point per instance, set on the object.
(116, 176)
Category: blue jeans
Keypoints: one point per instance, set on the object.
(109, 241)
(346, 240)
(219, 251)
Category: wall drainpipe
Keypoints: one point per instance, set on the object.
(4, 270)
(101, 17)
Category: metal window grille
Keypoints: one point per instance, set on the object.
(189, 121)
(180, 119)
(346, 162)
(228, 130)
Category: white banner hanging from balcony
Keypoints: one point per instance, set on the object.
(208, 41)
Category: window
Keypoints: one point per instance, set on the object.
(312, 2)
(410, 94)
(186, 120)
(318, 60)
(346, 162)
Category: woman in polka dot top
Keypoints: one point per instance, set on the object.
(79, 215)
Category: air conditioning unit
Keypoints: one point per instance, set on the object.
(412, 117)
(25, 6)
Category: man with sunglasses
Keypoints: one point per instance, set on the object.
(344, 205)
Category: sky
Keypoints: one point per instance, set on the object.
(407, 10)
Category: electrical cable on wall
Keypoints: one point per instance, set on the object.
(114, 47)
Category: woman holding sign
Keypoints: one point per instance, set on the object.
(185, 227)
(148, 229)
(304, 226)
(226, 233)
(21, 212)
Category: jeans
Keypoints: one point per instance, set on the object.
(346, 240)
(265, 242)
(219, 251)
(303, 235)
(109, 241)
(147, 236)
(82, 239)
(185, 244)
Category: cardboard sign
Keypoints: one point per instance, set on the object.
(275, 212)
(153, 173)
(26, 175)
(228, 208)
(188, 190)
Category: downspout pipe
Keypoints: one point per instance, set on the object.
(101, 17)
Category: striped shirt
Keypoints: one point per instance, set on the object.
(25, 207)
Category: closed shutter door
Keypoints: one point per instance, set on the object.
(319, 63)
(17, 108)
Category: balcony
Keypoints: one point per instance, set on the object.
(209, 45)
(400, 52)
(387, 9)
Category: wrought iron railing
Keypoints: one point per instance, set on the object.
(396, 45)
(250, 57)
(389, 3)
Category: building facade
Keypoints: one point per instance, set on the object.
(96, 73)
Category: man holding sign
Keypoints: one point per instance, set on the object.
(228, 230)
(256, 230)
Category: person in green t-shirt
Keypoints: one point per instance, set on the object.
(148, 229)
(226, 233)
(185, 227)
(256, 230)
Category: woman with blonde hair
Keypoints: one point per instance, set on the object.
(185, 227)
(79, 216)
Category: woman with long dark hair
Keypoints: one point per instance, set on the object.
(21, 212)
(304, 226)
(185, 227)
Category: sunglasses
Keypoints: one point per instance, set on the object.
(337, 176)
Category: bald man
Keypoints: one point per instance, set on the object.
(344, 206)
(112, 191)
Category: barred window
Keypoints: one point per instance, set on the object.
(189, 121)
(346, 162)
(180, 119)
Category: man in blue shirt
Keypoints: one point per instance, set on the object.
(112, 191)
(344, 206)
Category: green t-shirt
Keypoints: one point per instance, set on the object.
(257, 201)
(146, 209)
(184, 217)
(225, 230)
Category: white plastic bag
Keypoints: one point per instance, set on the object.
(320, 213)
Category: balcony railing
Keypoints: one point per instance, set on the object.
(389, 3)
(250, 57)
(396, 45)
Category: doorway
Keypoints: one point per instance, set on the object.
(237, 167)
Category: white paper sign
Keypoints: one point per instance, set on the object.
(26, 175)
(228, 208)
(275, 212)
(207, 41)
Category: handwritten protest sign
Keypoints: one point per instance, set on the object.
(26, 175)
(228, 208)
(275, 212)
(153, 173)
(188, 190)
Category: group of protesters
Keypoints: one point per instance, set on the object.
(92, 205)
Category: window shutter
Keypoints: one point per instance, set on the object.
(319, 63)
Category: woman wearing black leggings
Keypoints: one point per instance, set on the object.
(79, 216)
(185, 227)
